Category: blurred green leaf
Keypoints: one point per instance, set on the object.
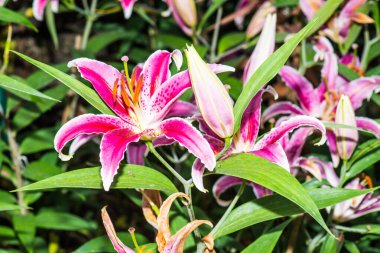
(347, 72)
(10, 16)
(102, 40)
(285, 3)
(260, 171)
(50, 21)
(25, 228)
(16, 87)
(331, 245)
(130, 176)
(267, 241)
(40, 170)
(81, 89)
(230, 40)
(210, 10)
(56, 220)
(351, 247)
(276, 206)
(4, 206)
(37, 141)
(274, 63)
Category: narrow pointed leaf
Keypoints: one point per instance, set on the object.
(275, 62)
(266, 242)
(10, 16)
(16, 87)
(87, 93)
(131, 176)
(276, 206)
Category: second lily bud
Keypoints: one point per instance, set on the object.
(346, 138)
(212, 98)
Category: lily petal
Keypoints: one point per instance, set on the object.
(303, 88)
(361, 89)
(320, 169)
(211, 96)
(182, 109)
(281, 108)
(186, 29)
(155, 72)
(369, 125)
(177, 242)
(258, 20)
(2, 2)
(239, 19)
(39, 9)
(164, 234)
(275, 154)
(331, 142)
(85, 124)
(293, 146)
(197, 171)
(103, 78)
(310, 7)
(289, 125)
(264, 47)
(150, 199)
(79, 141)
(188, 136)
(330, 70)
(223, 184)
(112, 149)
(127, 6)
(136, 153)
(116, 242)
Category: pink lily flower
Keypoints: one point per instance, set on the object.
(141, 103)
(239, 19)
(40, 5)
(184, 13)
(310, 7)
(258, 20)
(127, 6)
(321, 102)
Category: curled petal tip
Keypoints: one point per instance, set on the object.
(322, 140)
(64, 157)
(177, 58)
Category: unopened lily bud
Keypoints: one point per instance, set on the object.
(211, 96)
(187, 11)
(346, 138)
(258, 20)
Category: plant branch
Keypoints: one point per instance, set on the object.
(90, 18)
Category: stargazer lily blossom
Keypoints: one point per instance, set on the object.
(141, 103)
(321, 102)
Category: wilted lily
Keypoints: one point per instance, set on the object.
(184, 13)
(211, 96)
(322, 101)
(40, 5)
(141, 103)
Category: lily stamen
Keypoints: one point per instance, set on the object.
(131, 230)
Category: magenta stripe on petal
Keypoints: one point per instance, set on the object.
(112, 149)
(368, 125)
(136, 152)
(85, 124)
(281, 108)
(289, 125)
(223, 184)
(189, 137)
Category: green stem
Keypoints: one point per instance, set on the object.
(229, 209)
(343, 171)
(91, 17)
(6, 50)
(166, 164)
(215, 35)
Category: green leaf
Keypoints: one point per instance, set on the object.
(230, 40)
(260, 171)
(10, 16)
(40, 170)
(25, 228)
(16, 87)
(55, 220)
(347, 72)
(331, 245)
(366, 155)
(8, 207)
(276, 206)
(351, 247)
(266, 242)
(37, 141)
(130, 176)
(102, 40)
(286, 3)
(85, 92)
(274, 63)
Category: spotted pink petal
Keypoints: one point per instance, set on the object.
(85, 124)
(330, 70)
(223, 184)
(294, 145)
(197, 171)
(39, 9)
(127, 6)
(155, 72)
(289, 125)
(303, 88)
(369, 125)
(116, 242)
(103, 78)
(263, 49)
(361, 89)
(331, 142)
(281, 108)
(136, 153)
(310, 7)
(182, 109)
(112, 149)
(189, 137)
